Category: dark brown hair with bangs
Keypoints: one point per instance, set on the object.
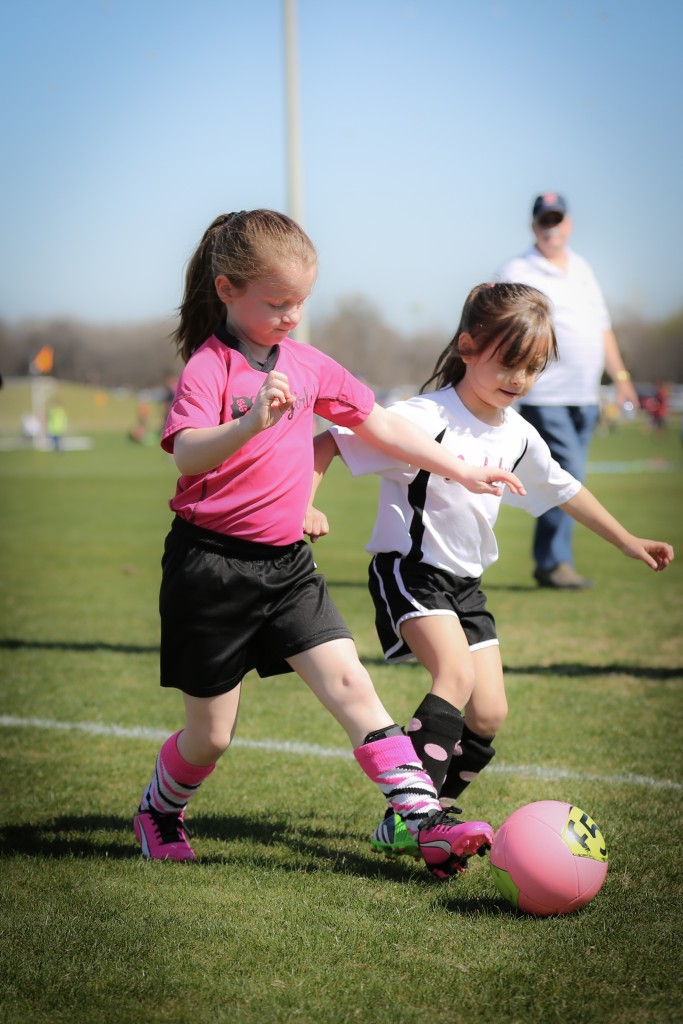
(514, 320)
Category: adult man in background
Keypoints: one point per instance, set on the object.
(564, 404)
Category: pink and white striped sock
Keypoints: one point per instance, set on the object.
(393, 765)
(174, 780)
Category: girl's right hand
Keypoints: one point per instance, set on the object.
(271, 403)
(200, 449)
(488, 480)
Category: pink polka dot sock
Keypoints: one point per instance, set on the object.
(473, 754)
(436, 729)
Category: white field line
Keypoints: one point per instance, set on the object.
(312, 750)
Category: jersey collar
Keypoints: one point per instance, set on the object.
(230, 341)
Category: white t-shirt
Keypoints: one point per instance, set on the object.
(580, 318)
(439, 521)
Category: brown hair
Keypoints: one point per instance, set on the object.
(244, 246)
(513, 319)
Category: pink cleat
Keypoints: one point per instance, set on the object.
(446, 843)
(162, 836)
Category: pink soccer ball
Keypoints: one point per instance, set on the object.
(549, 857)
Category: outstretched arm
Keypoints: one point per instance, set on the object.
(586, 509)
(403, 440)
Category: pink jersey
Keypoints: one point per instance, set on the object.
(261, 492)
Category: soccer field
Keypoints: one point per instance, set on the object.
(288, 916)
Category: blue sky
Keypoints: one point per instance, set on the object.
(427, 128)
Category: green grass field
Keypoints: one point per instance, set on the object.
(289, 917)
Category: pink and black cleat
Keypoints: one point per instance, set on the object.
(162, 836)
(446, 843)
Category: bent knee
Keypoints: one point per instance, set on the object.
(455, 685)
(218, 743)
(356, 681)
(207, 746)
(487, 723)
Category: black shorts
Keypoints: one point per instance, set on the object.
(228, 606)
(403, 589)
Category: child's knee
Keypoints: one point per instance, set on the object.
(205, 745)
(455, 685)
(356, 683)
(218, 742)
(488, 722)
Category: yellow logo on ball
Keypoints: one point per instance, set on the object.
(583, 837)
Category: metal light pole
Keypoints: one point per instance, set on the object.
(293, 162)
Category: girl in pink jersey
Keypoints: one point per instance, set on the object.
(432, 541)
(239, 588)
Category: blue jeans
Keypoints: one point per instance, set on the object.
(567, 430)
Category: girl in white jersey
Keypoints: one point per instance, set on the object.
(239, 588)
(432, 540)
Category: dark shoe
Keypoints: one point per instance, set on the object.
(563, 577)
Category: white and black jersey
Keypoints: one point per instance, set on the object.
(426, 518)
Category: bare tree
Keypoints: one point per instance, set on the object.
(357, 336)
(652, 351)
(143, 355)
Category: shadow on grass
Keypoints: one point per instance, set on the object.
(347, 584)
(85, 647)
(513, 588)
(486, 906)
(303, 850)
(562, 668)
(271, 844)
(567, 668)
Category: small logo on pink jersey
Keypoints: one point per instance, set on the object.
(241, 404)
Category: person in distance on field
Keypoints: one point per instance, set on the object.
(239, 589)
(432, 540)
(564, 405)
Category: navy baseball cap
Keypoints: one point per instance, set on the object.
(549, 202)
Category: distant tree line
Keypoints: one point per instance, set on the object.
(143, 355)
(653, 351)
(107, 355)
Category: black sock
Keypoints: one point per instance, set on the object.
(435, 730)
(473, 755)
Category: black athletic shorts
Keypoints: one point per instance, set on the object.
(228, 606)
(402, 588)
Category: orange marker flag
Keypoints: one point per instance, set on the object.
(44, 361)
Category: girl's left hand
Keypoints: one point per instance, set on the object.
(315, 524)
(655, 553)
